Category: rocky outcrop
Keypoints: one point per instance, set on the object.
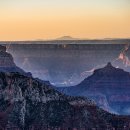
(26, 103)
(108, 86)
(7, 62)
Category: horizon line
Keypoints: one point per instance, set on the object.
(58, 39)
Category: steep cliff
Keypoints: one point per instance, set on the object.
(7, 63)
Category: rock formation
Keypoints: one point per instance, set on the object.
(7, 63)
(108, 86)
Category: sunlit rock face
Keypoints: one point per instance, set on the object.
(108, 86)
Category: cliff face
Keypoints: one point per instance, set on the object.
(109, 87)
(29, 103)
(7, 62)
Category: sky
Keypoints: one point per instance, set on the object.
(48, 19)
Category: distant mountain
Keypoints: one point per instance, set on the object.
(109, 87)
(67, 38)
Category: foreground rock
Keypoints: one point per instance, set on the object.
(26, 103)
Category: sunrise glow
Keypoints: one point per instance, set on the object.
(48, 19)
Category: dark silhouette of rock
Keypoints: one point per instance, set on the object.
(7, 62)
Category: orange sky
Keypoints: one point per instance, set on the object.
(48, 19)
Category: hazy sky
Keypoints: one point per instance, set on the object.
(45, 19)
